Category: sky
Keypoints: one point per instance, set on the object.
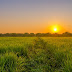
(35, 16)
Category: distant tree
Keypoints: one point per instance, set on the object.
(38, 34)
(19, 35)
(7, 35)
(67, 34)
(55, 35)
(42, 34)
(26, 34)
(32, 35)
(47, 35)
(1, 34)
(13, 35)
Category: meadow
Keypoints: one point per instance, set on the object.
(32, 54)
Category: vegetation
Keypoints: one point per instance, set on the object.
(31, 54)
(66, 34)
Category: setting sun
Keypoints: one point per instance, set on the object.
(55, 29)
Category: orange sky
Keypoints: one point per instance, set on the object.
(18, 16)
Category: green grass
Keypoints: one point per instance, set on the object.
(31, 54)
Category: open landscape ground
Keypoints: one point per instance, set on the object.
(31, 54)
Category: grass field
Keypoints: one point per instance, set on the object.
(31, 54)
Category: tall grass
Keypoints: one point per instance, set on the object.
(8, 62)
(35, 55)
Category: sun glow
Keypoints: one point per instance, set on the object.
(55, 29)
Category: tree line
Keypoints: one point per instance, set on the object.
(66, 34)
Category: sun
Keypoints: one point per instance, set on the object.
(55, 29)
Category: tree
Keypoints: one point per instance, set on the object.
(1, 34)
(13, 34)
(32, 35)
(67, 34)
(26, 35)
(38, 34)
